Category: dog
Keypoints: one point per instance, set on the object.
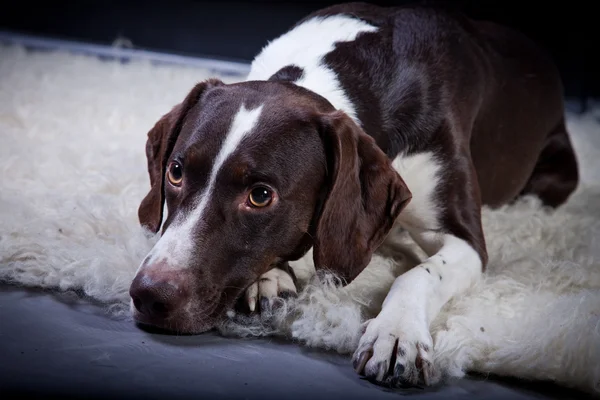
(358, 119)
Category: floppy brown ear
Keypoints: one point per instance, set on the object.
(160, 143)
(364, 199)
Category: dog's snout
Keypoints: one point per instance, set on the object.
(158, 295)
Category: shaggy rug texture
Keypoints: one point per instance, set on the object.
(73, 171)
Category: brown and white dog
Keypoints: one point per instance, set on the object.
(356, 119)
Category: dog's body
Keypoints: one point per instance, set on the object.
(440, 115)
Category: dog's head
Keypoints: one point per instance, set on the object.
(255, 174)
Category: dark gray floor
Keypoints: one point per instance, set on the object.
(56, 345)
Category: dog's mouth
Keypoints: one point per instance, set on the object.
(183, 323)
(194, 318)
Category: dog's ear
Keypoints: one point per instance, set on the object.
(364, 197)
(159, 145)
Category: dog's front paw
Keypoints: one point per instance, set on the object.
(393, 355)
(272, 284)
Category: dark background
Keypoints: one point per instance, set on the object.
(237, 30)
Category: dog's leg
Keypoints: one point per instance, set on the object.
(556, 173)
(396, 347)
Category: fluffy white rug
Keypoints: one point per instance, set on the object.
(72, 173)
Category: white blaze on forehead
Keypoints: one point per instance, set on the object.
(176, 246)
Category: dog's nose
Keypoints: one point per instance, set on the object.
(158, 295)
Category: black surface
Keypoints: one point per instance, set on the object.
(60, 346)
(239, 29)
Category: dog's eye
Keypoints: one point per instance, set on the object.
(260, 196)
(175, 173)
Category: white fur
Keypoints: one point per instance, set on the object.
(176, 246)
(68, 212)
(305, 46)
(423, 286)
(421, 173)
(269, 285)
